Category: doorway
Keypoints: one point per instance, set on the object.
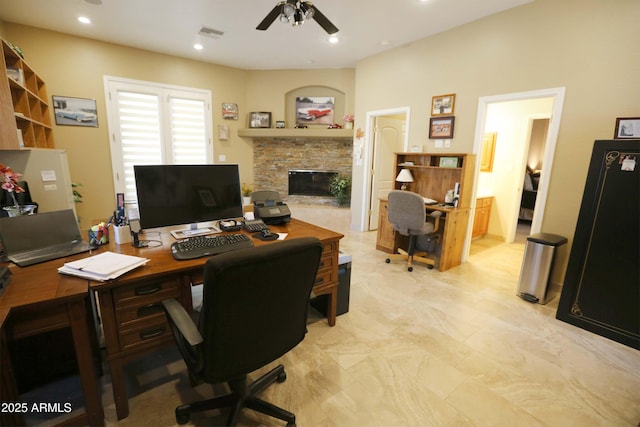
(387, 134)
(531, 180)
(511, 117)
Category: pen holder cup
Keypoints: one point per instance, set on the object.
(122, 234)
(99, 234)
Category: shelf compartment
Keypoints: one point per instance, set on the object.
(28, 135)
(35, 112)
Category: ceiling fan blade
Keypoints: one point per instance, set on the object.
(324, 22)
(268, 20)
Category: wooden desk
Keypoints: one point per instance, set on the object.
(452, 231)
(133, 319)
(39, 300)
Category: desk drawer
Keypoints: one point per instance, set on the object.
(128, 316)
(146, 293)
(149, 333)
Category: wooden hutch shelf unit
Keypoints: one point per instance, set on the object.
(432, 180)
(24, 111)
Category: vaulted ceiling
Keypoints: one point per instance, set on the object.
(366, 27)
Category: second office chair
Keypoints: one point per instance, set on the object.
(408, 217)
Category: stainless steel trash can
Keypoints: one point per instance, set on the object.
(539, 256)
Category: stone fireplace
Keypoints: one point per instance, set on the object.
(274, 157)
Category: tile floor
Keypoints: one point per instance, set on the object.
(426, 348)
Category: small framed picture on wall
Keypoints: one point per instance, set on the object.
(441, 127)
(259, 119)
(627, 128)
(443, 105)
(229, 111)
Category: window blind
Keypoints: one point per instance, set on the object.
(155, 124)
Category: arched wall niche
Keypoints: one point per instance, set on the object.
(314, 91)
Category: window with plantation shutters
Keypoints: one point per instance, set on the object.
(152, 124)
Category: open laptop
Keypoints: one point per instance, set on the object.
(30, 239)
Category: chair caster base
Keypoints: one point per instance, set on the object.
(182, 416)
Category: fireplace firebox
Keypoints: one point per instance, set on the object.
(310, 182)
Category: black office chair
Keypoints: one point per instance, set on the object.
(254, 310)
(408, 217)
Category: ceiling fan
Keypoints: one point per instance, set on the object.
(295, 12)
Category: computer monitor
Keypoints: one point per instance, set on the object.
(187, 194)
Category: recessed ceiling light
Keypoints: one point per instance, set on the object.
(198, 46)
(84, 19)
(334, 39)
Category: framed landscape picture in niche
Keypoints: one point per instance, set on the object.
(259, 119)
(315, 110)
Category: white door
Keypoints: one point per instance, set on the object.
(388, 139)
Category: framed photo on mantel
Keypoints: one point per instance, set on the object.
(260, 119)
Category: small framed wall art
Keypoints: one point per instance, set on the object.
(259, 119)
(71, 111)
(627, 128)
(443, 105)
(441, 127)
(229, 111)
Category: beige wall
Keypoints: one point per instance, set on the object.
(583, 45)
(74, 66)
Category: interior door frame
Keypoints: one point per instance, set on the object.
(549, 150)
(367, 153)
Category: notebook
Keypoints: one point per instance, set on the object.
(30, 239)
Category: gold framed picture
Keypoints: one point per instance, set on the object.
(443, 105)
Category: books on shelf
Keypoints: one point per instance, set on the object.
(104, 266)
(16, 74)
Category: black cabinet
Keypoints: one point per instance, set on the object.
(601, 291)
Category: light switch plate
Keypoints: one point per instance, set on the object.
(47, 176)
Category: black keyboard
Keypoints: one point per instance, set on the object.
(200, 246)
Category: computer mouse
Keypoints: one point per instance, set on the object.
(266, 233)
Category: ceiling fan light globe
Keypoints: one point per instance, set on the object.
(284, 18)
(307, 9)
(289, 8)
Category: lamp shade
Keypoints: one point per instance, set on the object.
(404, 176)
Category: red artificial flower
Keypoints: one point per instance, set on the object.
(10, 179)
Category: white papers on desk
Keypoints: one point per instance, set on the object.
(104, 266)
(429, 201)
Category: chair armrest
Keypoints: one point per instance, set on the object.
(436, 222)
(181, 319)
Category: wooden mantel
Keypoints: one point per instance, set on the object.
(313, 132)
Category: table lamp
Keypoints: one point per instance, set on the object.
(404, 176)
